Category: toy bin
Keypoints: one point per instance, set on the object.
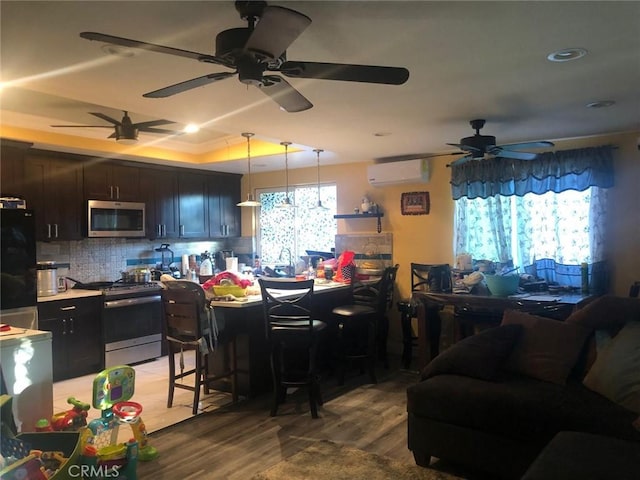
(66, 442)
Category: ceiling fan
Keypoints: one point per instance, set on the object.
(258, 48)
(478, 146)
(125, 130)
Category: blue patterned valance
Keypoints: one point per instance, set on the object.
(552, 171)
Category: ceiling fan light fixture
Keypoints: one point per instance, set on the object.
(250, 201)
(566, 55)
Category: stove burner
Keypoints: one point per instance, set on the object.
(119, 288)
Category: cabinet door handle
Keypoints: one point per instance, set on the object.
(64, 326)
(66, 309)
(55, 229)
(71, 323)
(48, 230)
(182, 230)
(111, 191)
(164, 230)
(117, 193)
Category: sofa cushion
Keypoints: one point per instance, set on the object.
(607, 312)
(616, 371)
(478, 356)
(519, 407)
(547, 349)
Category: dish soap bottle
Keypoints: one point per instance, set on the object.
(206, 268)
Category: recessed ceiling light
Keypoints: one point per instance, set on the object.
(191, 128)
(381, 134)
(566, 54)
(601, 104)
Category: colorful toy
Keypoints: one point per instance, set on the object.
(112, 391)
(70, 420)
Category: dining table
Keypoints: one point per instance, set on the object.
(472, 309)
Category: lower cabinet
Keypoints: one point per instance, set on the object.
(76, 327)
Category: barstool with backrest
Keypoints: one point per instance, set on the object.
(191, 327)
(294, 337)
(361, 322)
(422, 279)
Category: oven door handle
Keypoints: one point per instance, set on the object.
(127, 302)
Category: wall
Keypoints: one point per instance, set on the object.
(97, 260)
(429, 238)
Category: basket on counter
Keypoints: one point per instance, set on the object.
(235, 290)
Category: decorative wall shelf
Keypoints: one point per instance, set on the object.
(378, 215)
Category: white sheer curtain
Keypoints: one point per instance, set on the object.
(567, 227)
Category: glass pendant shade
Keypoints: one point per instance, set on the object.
(250, 201)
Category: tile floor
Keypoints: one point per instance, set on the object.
(151, 386)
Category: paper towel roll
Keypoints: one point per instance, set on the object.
(232, 264)
(185, 265)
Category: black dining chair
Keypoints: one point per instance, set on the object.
(294, 338)
(362, 323)
(191, 327)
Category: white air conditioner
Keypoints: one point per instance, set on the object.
(390, 173)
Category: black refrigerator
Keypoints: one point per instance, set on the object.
(18, 281)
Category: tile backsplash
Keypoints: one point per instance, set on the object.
(94, 260)
(369, 248)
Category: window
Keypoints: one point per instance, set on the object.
(297, 229)
(567, 227)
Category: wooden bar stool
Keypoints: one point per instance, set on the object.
(191, 327)
(361, 323)
(294, 337)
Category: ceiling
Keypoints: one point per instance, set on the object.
(466, 60)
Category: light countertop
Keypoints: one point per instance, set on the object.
(70, 294)
(253, 300)
(16, 335)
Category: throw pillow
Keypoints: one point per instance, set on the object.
(616, 371)
(478, 356)
(607, 312)
(547, 349)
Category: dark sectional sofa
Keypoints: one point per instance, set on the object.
(480, 405)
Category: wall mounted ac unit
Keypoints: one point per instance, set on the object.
(391, 173)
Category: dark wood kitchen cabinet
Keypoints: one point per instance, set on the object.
(224, 214)
(159, 189)
(193, 205)
(76, 328)
(12, 155)
(53, 189)
(111, 181)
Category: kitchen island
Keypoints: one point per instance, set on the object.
(245, 320)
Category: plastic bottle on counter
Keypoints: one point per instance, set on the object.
(206, 268)
(584, 271)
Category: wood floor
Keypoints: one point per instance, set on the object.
(238, 441)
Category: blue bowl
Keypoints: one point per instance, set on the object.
(502, 285)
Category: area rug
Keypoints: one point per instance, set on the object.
(329, 460)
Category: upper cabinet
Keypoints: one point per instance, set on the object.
(193, 205)
(159, 189)
(53, 189)
(106, 180)
(224, 214)
(12, 155)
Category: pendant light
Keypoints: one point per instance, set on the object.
(287, 201)
(319, 205)
(250, 201)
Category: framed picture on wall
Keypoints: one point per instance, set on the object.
(415, 203)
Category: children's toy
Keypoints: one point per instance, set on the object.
(112, 391)
(70, 420)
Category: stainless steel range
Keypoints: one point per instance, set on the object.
(132, 321)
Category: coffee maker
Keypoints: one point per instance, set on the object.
(221, 259)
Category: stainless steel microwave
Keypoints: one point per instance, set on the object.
(115, 219)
